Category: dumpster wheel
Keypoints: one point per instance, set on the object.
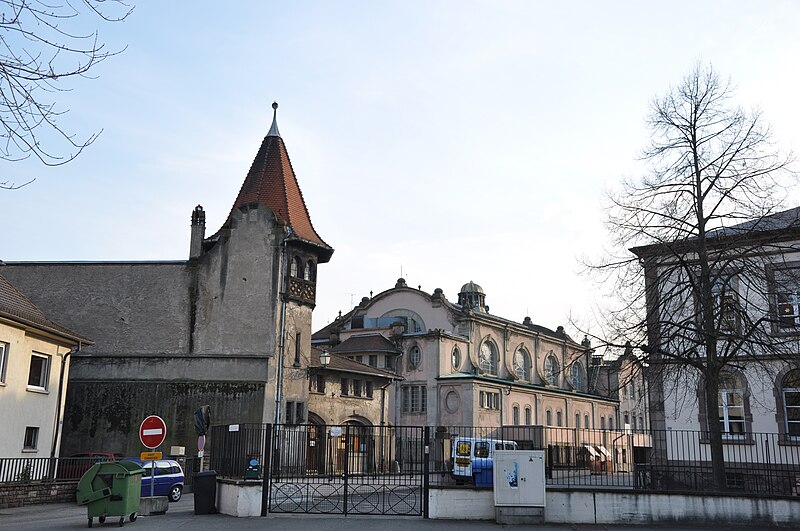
(101, 519)
(121, 521)
(90, 522)
(132, 517)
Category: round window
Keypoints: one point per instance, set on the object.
(452, 401)
(415, 357)
(456, 358)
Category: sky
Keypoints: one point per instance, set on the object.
(443, 141)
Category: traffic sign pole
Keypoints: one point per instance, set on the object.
(152, 433)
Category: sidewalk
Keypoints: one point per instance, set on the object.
(181, 516)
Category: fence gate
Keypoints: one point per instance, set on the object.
(348, 469)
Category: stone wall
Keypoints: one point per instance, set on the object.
(105, 416)
(17, 495)
(123, 307)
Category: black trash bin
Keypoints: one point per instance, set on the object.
(205, 492)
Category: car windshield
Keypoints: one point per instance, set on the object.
(463, 448)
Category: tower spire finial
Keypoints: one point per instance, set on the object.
(273, 131)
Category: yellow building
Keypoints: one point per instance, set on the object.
(34, 365)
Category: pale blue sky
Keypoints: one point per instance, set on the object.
(457, 140)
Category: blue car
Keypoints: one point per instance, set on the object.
(168, 478)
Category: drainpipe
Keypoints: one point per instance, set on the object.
(58, 420)
(282, 335)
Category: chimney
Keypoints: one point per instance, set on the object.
(198, 232)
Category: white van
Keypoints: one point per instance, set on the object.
(468, 455)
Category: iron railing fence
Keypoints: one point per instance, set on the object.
(29, 469)
(659, 461)
(311, 450)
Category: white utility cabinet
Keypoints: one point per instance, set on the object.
(519, 478)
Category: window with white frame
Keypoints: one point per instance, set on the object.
(39, 373)
(522, 365)
(489, 400)
(488, 358)
(415, 357)
(577, 376)
(731, 405)
(551, 370)
(791, 402)
(787, 297)
(31, 441)
(414, 399)
(3, 361)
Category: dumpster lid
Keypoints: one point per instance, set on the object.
(591, 450)
(204, 473)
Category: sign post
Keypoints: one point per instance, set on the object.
(152, 433)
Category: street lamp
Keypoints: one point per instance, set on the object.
(325, 358)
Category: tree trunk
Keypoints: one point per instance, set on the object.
(715, 429)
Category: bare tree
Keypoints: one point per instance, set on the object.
(42, 45)
(703, 225)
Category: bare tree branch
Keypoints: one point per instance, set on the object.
(42, 46)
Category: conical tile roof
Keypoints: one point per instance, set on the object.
(271, 182)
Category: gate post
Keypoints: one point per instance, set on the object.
(266, 469)
(346, 472)
(426, 471)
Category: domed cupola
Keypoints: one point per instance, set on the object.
(472, 297)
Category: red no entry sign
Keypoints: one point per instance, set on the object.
(153, 431)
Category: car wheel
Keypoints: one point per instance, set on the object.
(175, 493)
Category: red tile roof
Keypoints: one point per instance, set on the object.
(271, 181)
(17, 307)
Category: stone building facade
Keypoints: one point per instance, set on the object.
(230, 327)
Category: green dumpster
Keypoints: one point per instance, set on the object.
(111, 489)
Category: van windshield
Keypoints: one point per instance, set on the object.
(463, 448)
(511, 446)
(481, 449)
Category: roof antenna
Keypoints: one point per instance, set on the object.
(273, 131)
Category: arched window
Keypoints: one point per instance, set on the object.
(308, 272)
(577, 376)
(548, 418)
(559, 419)
(551, 370)
(602, 423)
(415, 357)
(488, 358)
(577, 419)
(791, 402)
(527, 415)
(515, 415)
(522, 365)
(611, 423)
(455, 358)
(586, 421)
(642, 427)
(731, 404)
(293, 267)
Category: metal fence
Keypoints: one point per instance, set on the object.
(28, 469)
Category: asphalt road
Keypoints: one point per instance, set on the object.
(181, 516)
